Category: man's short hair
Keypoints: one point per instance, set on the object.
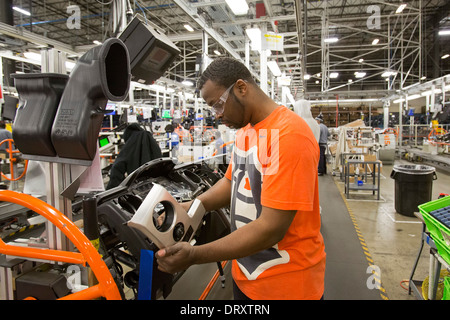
(225, 72)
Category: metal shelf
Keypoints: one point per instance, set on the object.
(374, 173)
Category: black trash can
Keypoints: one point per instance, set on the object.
(413, 186)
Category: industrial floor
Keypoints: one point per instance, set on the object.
(361, 235)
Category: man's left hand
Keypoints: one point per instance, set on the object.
(176, 258)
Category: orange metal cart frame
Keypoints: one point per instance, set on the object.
(11, 153)
(87, 255)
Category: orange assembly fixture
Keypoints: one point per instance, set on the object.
(88, 254)
(10, 151)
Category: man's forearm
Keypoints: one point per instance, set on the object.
(255, 236)
(218, 196)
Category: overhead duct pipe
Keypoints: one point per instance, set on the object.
(101, 74)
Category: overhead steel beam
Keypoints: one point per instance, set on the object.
(36, 39)
(217, 37)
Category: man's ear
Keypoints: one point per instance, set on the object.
(242, 86)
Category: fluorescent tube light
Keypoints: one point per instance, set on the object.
(334, 75)
(25, 12)
(375, 41)
(444, 32)
(187, 83)
(32, 56)
(388, 74)
(445, 56)
(217, 52)
(401, 8)
(189, 28)
(239, 7)
(360, 74)
(331, 40)
(411, 97)
(430, 92)
(274, 68)
(254, 34)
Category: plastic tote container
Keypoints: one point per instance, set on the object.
(413, 186)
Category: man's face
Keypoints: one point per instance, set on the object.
(232, 111)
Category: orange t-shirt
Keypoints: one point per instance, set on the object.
(274, 164)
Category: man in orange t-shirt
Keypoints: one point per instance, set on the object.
(271, 186)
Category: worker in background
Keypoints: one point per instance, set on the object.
(4, 134)
(323, 143)
(140, 147)
(272, 189)
(219, 143)
(220, 150)
(303, 109)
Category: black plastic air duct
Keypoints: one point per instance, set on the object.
(39, 94)
(101, 74)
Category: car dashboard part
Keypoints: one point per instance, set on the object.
(178, 183)
(118, 244)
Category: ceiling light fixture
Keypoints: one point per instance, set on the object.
(360, 74)
(188, 28)
(217, 52)
(445, 56)
(239, 7)
(187, 83)
(375, 41)
(32, 56)
(331, 40)
(408, 98)
(307, 77)
(401, 8)
(254, 34)
(25, 12)
(444, 32)
(97, 42)
(334, 75)
(388, 74)
(430, 92)
(274, 68)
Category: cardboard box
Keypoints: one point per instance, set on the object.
(369, 157)
(183, 159)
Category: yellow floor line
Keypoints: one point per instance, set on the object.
(364, 246)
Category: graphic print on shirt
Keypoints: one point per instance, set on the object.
(246, 207)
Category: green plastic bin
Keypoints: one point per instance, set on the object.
(446, 294)
(439, 231)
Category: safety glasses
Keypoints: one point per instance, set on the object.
(219, 106)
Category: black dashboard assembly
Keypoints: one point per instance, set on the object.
(117, 206)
